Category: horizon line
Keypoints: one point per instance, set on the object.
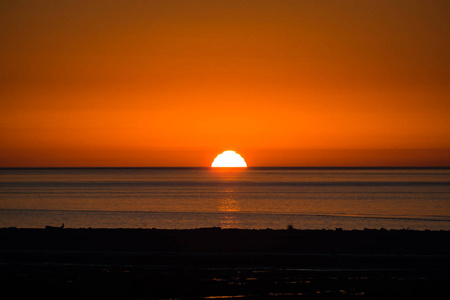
(251, 167)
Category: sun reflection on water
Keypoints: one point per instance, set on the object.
(229, 205)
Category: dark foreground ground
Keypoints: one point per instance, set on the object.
(213, 263)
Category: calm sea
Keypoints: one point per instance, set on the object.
(256, 198)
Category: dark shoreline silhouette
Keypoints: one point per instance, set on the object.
(212, 262)
(215, 239)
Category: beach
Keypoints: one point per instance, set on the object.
(224, 263)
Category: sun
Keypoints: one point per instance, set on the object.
(229, 159)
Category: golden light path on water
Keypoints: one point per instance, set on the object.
(228, 206)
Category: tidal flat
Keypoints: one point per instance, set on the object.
(224, 263)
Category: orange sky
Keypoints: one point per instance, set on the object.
(174, 83)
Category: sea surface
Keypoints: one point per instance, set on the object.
(252, 198)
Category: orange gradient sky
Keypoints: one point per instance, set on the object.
(175, 83)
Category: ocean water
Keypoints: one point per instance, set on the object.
(254, 198)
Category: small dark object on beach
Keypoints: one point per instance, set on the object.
(54, 228)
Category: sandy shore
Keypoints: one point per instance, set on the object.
(150, 263)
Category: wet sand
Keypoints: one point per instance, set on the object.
(215, 263)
